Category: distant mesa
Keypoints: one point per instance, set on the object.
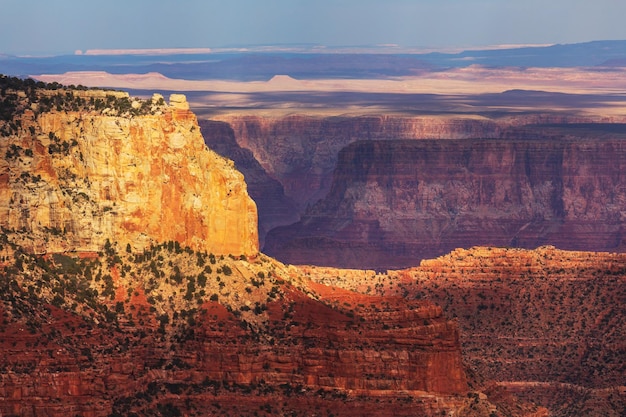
(153, 51)
(284, 80)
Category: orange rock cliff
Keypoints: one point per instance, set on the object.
(73, 179)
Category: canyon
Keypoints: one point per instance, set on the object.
(103, 315)
(105, 311)
(541, 325)
(384, 192)
(394, 203)
(131, 283)
(544, 324)
(300, 150)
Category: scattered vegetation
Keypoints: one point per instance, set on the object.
(176, 282)
(18, 95)
(94, 305)
(556, 313)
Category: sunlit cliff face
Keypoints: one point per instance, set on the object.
(74, 179)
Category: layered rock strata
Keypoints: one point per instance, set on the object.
(274, 207)
(123, 341)
(544, 325)
(393, 203)
(300, 151)
(71, 180)
(127, 285)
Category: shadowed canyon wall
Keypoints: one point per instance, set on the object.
(301, 153)
(393, 203)
(274, 207)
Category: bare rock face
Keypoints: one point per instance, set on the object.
(393, 203)
(274, 207)
(71, 180)
(131, 337)
(300, 151)
(544, 324)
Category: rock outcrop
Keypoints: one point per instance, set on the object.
(274, 207)
(393, 203)
(170, 328)
(70, 180)
(544, 324)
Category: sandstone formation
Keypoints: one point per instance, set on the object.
(393, 203)
(131, 283)
(300, 151)
(173, 329)
(98, 171)
(545, 325)
(274, 207)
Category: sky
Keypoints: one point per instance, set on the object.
(43, 27)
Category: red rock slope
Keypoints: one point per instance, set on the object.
(544, 324)
(106, 336)
(100, 317)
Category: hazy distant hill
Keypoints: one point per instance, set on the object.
(248, 66)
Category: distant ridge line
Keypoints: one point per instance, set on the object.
(147, 51)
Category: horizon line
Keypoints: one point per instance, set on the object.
(297, 48)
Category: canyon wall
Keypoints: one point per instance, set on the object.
(393, 203)
(274, 207)
(300, 151)
(543, 324)
(71, 180)
(124, 333)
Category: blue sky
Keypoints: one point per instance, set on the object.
(63, 26)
